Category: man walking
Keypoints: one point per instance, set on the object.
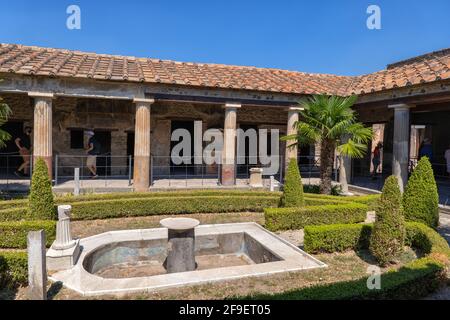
(92, 151)
(23, 143)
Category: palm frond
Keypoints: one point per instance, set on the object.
(352, 149)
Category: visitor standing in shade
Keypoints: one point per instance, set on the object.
(23, 143)
(92, 151)
(376, 160)
(447, 159)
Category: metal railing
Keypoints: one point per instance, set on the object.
(164, 172)
(9, 179)
(109, 168)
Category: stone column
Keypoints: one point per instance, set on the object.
(42, 136)
(64, 252)
(291, 153)
(401, 143)
(344, 170)
(229, 145)
(141, 174)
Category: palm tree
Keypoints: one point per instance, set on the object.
(327, 119)
(5, 112)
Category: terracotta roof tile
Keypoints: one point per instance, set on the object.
(31, 60)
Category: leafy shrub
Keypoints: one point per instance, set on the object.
(298, 218)
(293, 188)
(13, 235)
(103, 209)
(13, 269)
(14, 214)
(41, 204)
(421, 199)
(414, 280)
(341, 237)
(315, 189)
(336, 237)
(388, 236)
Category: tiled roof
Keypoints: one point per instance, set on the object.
(434, 66)
(32, 60)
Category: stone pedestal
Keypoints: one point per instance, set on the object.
(401, 143)
(37, 271)
(256, 180)
(181, 244)
(141, 175)
(64, 252)
(229, 145)
(43, 125)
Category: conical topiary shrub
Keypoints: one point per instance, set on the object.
(293, 188)
(421, 199)
(388, 235)
(41, 203)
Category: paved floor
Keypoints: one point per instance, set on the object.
(121, 185)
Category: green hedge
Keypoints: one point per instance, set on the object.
(14, 214)
(89, 210)
(175, 202)
(337, 237)
(298, 218)
(342, 237)
(414, 280)
(13, 269)
(13, 235)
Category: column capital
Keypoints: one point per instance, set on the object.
(144, 101)
(232, 105)
(295, 109)
(401, 106)
(41, 95)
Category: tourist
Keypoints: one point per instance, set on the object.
(92, 151)
(447, 159)
(376, 160)
(23, 143)
(426, 149)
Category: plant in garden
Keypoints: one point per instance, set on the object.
(326, 120)
(421, 199)
(293, 189)
(388, 235)
(41, 202)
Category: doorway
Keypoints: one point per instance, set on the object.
(104, 158)
(182, 168)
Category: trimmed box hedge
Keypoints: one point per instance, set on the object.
(13, 269)
(13, 235)
(416, 279)
(298, 218)
(342, 237)
(169, 202)
(89, 210)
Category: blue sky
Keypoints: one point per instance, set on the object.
(312, 36)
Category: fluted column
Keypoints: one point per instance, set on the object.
(141, 174)
(293, 117)
(401, 143)
(42, 136)
(229, 144)
(63, 235)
